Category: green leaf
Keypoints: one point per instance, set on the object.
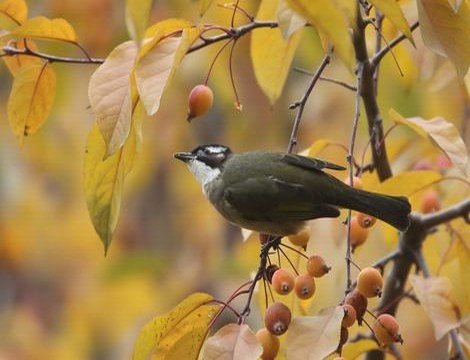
(271, 55)
(392, 11)
(180, 333)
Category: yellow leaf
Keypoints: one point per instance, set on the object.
(408, 183)
(352, 350)
(271, 55)
(329, 20)
(203, 6)
(318, 146)
(446, 31)
(16, 62)
(180, 332)
(314, 337)
(392, 11)
(46, 29)
(104, 180)
(233, 341)
(434, 296)
(137, 17)
(110, 97)
(289, 21)
(165, 27)
(441, 133)
(15, 10)
(156, 65)
(31, 99)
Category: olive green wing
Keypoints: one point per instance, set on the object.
(309, 163)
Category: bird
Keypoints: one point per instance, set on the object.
(276, 193)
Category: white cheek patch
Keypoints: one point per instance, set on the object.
(203, 173)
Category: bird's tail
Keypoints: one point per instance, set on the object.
(394, 210)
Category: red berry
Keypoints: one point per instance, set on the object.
(270, 270)
(199, 101)
(301, 238)
(304, 286)
(370, 282)
(358, 233)
(430, 202)
(277, 318)
(316, 266)
(365, 221)
(358, 302)
(349, 316)
(386, 330)
(282, 281)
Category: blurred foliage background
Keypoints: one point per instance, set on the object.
(60, 298)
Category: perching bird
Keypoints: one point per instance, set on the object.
(276, 193)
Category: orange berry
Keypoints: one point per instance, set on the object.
(443, 163)
(269, 342)
(349, 316)
(358, 233)
(282, 281)
(356, 182)
(385, 329)
(277, 318)
(358, 302)
(270, 270)
(301, 238)
(199, 101)
(365, 221)
(304, 286)
(430, 202)
(370, 282)
(316, 266)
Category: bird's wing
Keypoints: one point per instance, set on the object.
(271, 199)
(309, 163)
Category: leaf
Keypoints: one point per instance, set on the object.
(434, 296)
(109, 93)
(392, 11)
(137, 17)
(156, 66)
(352, 350)
(441, 133)
(314, 337)
(318, 146)
(15, 10)
(408, 183)
(31, 99)
(17, 62)
(329, 20)
(203, 6)
(180, 332)
(289, 21)
(46, 29)
(446, 32)
(271, 55)
(233, 341)
(104, 180)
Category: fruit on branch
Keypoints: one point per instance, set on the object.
(385, 330)
(304, 286)
(370, 282)
(316, 266)
(365, 221)
(349, 316)
(301, 238)
(270, 270)
(358, 234)
(199, 101)
(269, 342)
(277, 318)
(282, 281)
(358, 302)
(430, 202)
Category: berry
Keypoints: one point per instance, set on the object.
(370, 282)
(385, 329)
(430, 202)
(270, 270)
(277, 318)
(304, 286)
(443, 162)
(269, 342)
(349, 316)
(358, 233)
(356, 183)
(199, 101)
(358, 302)
(316, 266)
(365, 221)
(301, 238)
(422, 164)
(282, 281)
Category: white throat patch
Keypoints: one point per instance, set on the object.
(203, 173)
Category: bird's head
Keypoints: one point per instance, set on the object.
(205, 162)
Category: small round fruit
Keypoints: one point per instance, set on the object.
(365, 221)
(370, 282)
(358, 233)
(385, 329)
(301, 238)
(282, 281)
(270, 270)
(356, 182)
(304, 286)
(349, 316)
(316, 266)
(443, 163)
(358, 302)
(199, 101)
(423, 164)
(269, 342)
(277, 318)
(430, 202)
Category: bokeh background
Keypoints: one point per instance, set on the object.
(61, 298)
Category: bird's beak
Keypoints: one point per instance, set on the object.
(184, 156)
